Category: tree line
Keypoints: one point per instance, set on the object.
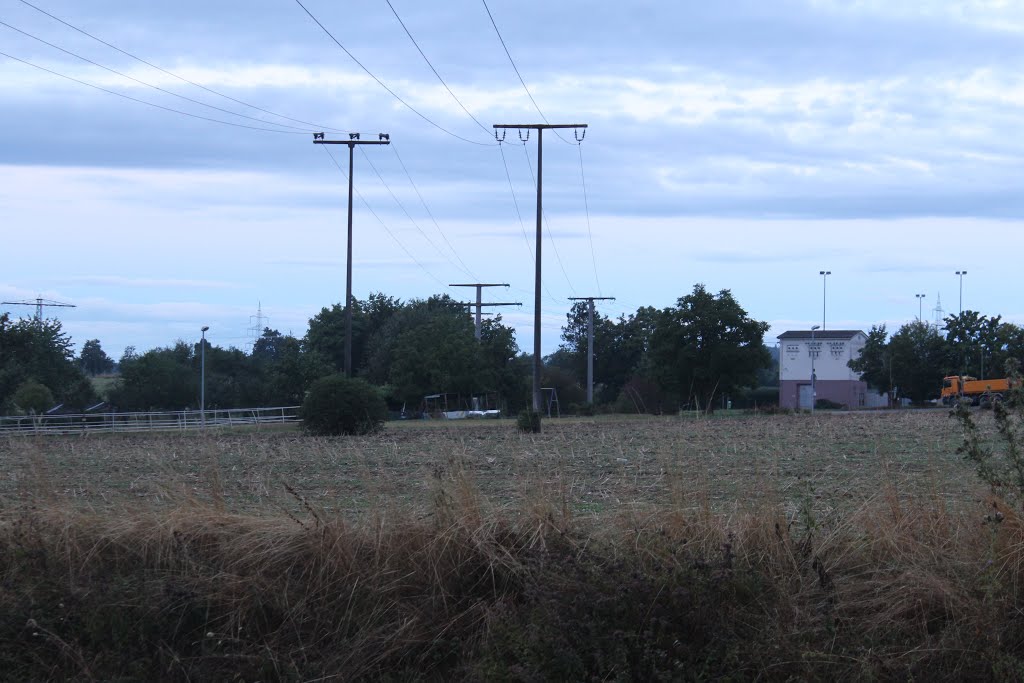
(912, 362)
(692, 354)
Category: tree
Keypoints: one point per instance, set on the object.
(706, 347)
(917, 354)
(38, 350)
(163, 378)
(93, 359)
(325, 338)
(874, 362)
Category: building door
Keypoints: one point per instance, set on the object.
(806, 397)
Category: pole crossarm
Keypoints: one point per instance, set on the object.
(540, 126)
(591, 298)
(477, 325)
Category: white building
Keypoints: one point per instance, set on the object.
(827, 354)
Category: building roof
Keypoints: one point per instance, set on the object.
(820, 334)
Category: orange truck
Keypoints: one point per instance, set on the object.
(978, 391)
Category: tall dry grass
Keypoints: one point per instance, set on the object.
(901, 587)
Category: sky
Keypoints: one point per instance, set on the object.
(744, 145)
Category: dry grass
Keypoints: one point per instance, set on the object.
(850, 546)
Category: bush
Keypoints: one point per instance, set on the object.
(32, 397)
(529, 421)
(826, 404)
(339, 405)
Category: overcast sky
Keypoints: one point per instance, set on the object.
(744, 145)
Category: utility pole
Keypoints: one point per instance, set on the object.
(480, 304)
(590, 339)
(353, 140)
(824, 288)
(39, 303)
(540, 128)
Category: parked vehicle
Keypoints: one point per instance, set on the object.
(983, 392)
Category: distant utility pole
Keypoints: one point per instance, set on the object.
(590, 339)
(539, 127)
(38, 303)
(353, 140)
(480, 304)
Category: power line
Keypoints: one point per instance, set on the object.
(383, 224)
(420, 50)
(148, 85)
(551, 237)
(381, 83)
(174, 75)
(516, 68)
(152, 104)
(429, 213)
(526, 238)
(586, 206)
(407, 214)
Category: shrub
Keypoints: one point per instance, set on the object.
(529, 421)
(827, 404)
(32, 397)
(339, 405)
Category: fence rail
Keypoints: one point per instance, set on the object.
(177, 420)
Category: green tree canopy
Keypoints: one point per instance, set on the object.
(93, 359)
(917, 353)
(707, 346)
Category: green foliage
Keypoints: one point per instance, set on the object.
(36, 350)
(528, 422)
(707, 346)
(338, 405)
(165, 378)
(1000, 464)
(874, 363)
(32, 398)
(93, 359)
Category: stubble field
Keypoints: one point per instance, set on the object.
(834, 546)
(593, 467)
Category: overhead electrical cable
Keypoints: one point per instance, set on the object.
(150, 85)
(317, 126)
(412, 220)
(516, 68)
(522, 226)
(429, 213)
(547, 224)
(586, 206)
(382, 84)
(152, 104)
(485, 129)
(382, 223)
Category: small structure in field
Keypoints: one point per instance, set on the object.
(826, 354)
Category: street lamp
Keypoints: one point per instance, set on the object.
(824, 280)
(961, 273)
(202, 375)
(920, 303)
(814, 379)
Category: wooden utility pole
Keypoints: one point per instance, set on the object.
(353, 140)
(590, 339)
(540, 128)
(480, 304)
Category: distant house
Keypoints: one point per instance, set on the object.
(829, 352)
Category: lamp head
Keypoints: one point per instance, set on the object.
(204, 328)
(815, 327)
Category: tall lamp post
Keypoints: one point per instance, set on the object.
(920, 309)
(202, 375)
(824, 287)
(814, 378)
(961, 273)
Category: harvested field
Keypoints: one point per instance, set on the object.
(834, 546)
(594, 466)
